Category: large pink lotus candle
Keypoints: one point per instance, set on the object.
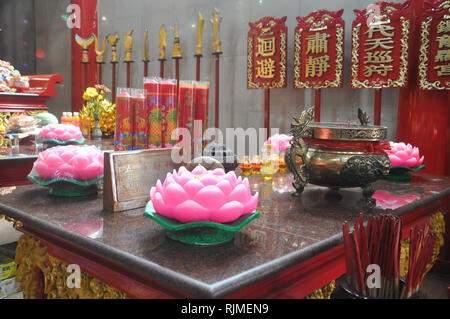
(279, 142)
(71, 162)
(61, 132)
(203, 195)
(402, 154)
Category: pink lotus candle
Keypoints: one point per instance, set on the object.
(280, 142)
(402, 154)
(61, 132)
(71, 162)
(203, 195)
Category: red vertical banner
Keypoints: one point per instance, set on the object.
(169, 111)
(201, 99)
(139, 119)
(154, 113)
(267, 54)
(319, 50)
(380, 39)
(123, 134)
(434, 54)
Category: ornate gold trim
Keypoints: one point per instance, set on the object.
(324, 292)
(423, 58)
(298, 84)
(275, 85)
(403, 69)
(32, 255)
(437, 226)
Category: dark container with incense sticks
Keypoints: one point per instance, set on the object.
(345, 291)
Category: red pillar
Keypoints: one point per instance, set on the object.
(424, 115)
(88, 26)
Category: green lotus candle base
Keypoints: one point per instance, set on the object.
(66, 187)
(402, 173)
(56, 142)
(202, 233)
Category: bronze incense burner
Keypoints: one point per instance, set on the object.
(336, 155)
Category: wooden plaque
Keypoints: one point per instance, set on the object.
(128, 177)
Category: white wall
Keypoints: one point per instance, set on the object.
(239, 107)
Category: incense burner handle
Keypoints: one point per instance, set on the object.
(298, 149)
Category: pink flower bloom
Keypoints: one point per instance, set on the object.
(203, 195)
(402, 154)
(71, 162)
(62, 132)
(279, 142)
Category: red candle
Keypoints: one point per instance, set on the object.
(201, 99)
(169, 111)
(140, 119)
(123, 135)
(186, 105)
(154, 115)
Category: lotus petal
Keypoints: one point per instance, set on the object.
(210, 197)
(228, 212)
(190, 211)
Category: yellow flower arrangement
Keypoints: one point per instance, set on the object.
(97, 108)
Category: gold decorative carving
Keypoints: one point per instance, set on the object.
(275, 85)
(324, 292)
(437, 226)
(403, 68)
(32, 255)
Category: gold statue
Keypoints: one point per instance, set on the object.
(128, 45)
(198, 47)
(113, 39)
(162, 43)
(85, 43)
(100, 53)
(215, 22)
(146, 55)
(176, 45)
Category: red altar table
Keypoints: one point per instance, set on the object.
(42, 87)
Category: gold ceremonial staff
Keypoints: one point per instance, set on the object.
(162, 49)
(217, 51)
(146, 58)
(199, 47)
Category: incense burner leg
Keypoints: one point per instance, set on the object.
(333, 194)
(368, 191)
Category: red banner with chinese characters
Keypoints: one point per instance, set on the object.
(267, 54)
(434, 55)
(319, 50)
(380, 36)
